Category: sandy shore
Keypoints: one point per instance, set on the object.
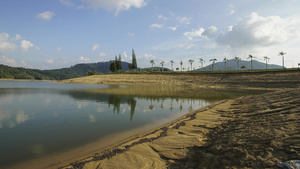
(249, 132)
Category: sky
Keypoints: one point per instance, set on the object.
(52, 34)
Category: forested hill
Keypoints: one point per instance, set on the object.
(56, 74)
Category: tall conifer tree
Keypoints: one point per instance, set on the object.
(120, 62)
(134, 64)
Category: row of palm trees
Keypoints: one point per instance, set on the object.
(237, 59)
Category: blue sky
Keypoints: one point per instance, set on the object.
(52, 34)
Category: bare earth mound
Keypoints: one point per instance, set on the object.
(270, 80)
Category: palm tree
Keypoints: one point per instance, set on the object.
(152, 63)
(243, 67)
(282, 54)
(201, 61)
(237, 59)
(266, 58)
(225, 60)
(172, 62)
(162, 64)
(251, 57)
(191, 62)
(181, 63)
(213, 60)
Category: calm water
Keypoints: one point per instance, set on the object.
(42, 118)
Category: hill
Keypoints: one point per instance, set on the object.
(232, 65)
(56, 74)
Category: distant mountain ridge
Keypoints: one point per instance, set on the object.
(77, 70)
(232, 65)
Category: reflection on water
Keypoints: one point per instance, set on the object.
(42, 118)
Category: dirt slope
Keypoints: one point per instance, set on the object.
(271, 80)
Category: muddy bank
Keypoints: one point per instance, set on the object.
(249, 132)
(266, 80)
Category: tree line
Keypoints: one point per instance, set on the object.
(201, 60)
(116, 65)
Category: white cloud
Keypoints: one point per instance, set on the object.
(117, 5)
(5, 43)
(125, 55)
(149, 57)
(24, 64)
(21, 117)
(257, 31)
(59, 49)
(8, 61)
(11, 62)
(84, 59)
(81, 7)
(210, 32)
(17, 37)
(102, 54)
(156, 26)
(162, 17)
(49, 61)
(184, 20)
(231, 9)
(25, 45)
(92, 118)
(67, 2)
(231, 12)
(172, 28)
(45, 15)
(95, 47)
(201, 32)
(194, 33)
(131, 34)
(186, 45)
(100, 110)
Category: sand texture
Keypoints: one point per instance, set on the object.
(249, 132)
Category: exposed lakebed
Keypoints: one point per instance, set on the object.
(39, 119)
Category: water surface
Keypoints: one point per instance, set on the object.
(39, 119)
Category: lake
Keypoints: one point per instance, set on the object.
(41, 119)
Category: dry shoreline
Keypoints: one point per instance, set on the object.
(263, 80)
(249, 132)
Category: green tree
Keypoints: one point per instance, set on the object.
(237, 59)
(201, 61)
(119, 65)
(213, 62)
(130, 66)
(162, 65)
(266, 58)
(172, 62)
(191, 63)
(152, 63)
(134, 63)
(113, 66)
(181, 63)
(282, 54)
(225, 60)
(251, 57)
(132, 103)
